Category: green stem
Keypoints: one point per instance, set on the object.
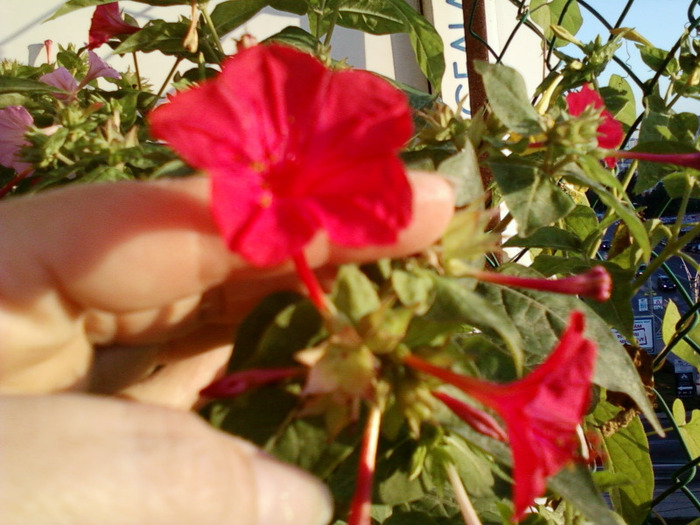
(212, 28)
(136, 69)
(166, 82)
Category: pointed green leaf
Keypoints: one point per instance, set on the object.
(354, 294)
(533, 199)
(628, 454)
(507, 96)
(690, 430)
(227, 16)
(682, 349)
(463, 170)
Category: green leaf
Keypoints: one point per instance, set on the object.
(507, 96)
(628, 454)
(575, 484)
(548, 237)
(619, 100)
(629, 216)
(296, 37)
(256, 323)
(548, 12)
(23, 85)
(227, 16)
(455, 304)
(354, 294)
(649, 173)
(158, 35)
(463, 170)
(426, 42)
(533, 198)
(381, 17)
(689, 430)
(655, 58)
(682, 349)
(73, 5)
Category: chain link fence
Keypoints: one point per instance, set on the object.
(668, 73)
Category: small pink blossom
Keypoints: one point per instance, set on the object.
(15, 121)
(294, 148)
(62, 79)
(541, 412)
(107, 24)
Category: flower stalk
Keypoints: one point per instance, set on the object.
(362, 498)
(465, 504)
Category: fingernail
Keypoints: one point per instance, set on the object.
(288, 495)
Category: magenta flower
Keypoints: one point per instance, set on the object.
(15, 121)
(107, 24)
(541, 412)
(610, 133)
(596, 283)
(294, 148)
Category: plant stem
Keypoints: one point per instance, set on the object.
(210, 24)
(308, 277)
(465, 504)
(136, 69)
(171, 73)
(362, 499)
(7, 188)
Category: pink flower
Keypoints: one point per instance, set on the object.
(107, 24)
(294, 148)
(62, 79)
(610, 133)
(15, 121)
(541, 412)
(596, 283)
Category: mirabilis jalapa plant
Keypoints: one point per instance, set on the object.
(423, 390)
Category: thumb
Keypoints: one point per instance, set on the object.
(79, 459)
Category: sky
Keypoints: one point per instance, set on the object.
(659, 21)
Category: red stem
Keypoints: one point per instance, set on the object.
(362, 499)
(308, 277)
(7, 188)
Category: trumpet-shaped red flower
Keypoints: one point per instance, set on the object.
(106, 24)
(596, 283)
(293, 148)
(541, 411)
(610, 133)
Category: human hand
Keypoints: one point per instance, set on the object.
(128, 289)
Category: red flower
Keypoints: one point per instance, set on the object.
(106, 24)
(541, 411)
(293, 148)
(610, 133)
